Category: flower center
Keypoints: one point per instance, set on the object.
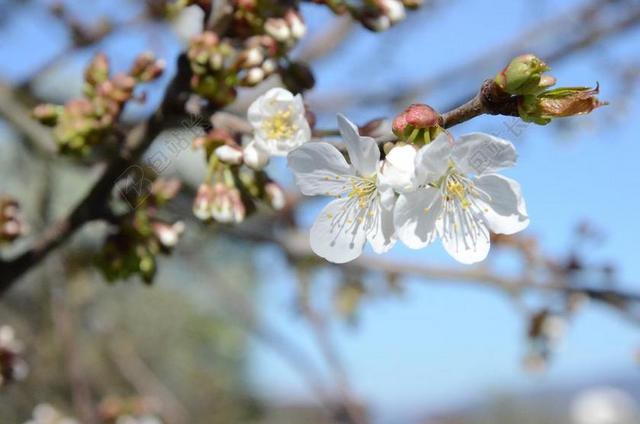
(362, 189)
(280, 125)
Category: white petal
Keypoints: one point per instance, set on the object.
(479, 153)
(319, 169)
(255, 157)
(506, 212)
(381, 234)
(363, 151)
(337, 234)
(415, 217)
(432, 160)
(464, 235)
(399, 167)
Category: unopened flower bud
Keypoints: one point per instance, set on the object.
(251, 57)
(254, 156)
(254, 76)
(165, 189)
(168, 234)
(392, 9)
(147, 68)
(213, 139)
(417, 122)
(275, 196)
(278, 29)
(227, 206)
(229, 154)
(98, 70)
(203, 201)
(296, 25)
(47, 114)
(12, 224)
(375, 22)
(558, 103)
(269, 66)
(523, 75)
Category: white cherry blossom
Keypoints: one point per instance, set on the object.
(458, 196)
(363, 208)
(279, 122)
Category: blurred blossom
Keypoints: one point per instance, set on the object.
(604, 405)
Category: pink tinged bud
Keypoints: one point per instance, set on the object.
(278, 29)
(399, 124)
(296, 25)
(255, 157)
(227, 204)
(98, 70)
(421, 116)
(168, 235)
(203, 201)
(229, 154)
(275, 196)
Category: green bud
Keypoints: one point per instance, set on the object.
(524, 76)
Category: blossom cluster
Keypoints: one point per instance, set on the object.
(433, 188)
(235, 181)
(84, 122)
(447, 189)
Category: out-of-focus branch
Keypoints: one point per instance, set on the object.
(146, 383)
(95, 204)
(18, 116)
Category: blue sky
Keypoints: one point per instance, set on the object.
(441, 344)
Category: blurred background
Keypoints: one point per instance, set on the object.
(238, 328)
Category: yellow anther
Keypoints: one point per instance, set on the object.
(279, 126)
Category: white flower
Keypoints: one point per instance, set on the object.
(363, 210)
(279, 123)
(447, 202)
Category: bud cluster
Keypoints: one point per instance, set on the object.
(141, 235)
(375, 15)
(12, 224)
(261, 33)
(418, 123)
(12, 366)
(235, 183)
(524, 77)
(84, 122)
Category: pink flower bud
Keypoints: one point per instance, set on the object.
(203, 201)
(421, 116)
